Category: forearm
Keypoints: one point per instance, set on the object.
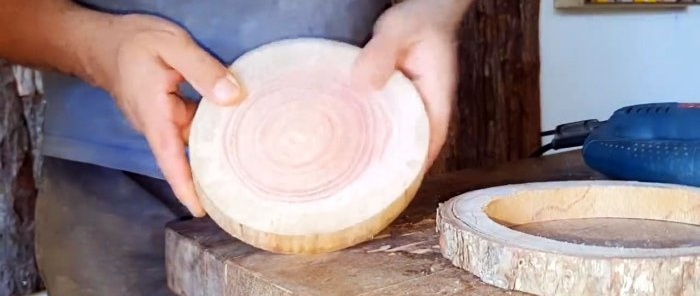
(440, 14)
(53, 34)
(453, 11)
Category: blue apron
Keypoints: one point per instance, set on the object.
(83, 123)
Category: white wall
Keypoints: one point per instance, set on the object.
(594, 63)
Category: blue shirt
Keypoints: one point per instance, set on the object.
(83, 123)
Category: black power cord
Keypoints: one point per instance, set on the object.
(542, 150)
(568, 135)
(547, 133)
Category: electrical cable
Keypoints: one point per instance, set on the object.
(539, 152)
(548, 133)
(568, 135)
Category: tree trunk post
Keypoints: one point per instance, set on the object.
(21, 113)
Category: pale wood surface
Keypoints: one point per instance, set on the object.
(476, 234)
(328, 174)
(403, 260)
(616, 232)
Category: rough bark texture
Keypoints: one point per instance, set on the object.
(21, 106)
(474, 236)
(497, 117)
(551, 274)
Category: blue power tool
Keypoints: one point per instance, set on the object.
(658, 142)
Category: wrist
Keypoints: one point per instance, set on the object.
(91, 36)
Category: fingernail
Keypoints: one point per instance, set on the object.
(226, 89)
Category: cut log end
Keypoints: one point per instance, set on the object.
(308, 162)
(476, 235)
(302, 138)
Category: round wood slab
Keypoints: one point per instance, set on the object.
(476, 234)
(308, 162)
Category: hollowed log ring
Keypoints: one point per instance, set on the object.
(475, 236)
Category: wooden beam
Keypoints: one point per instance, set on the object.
(202, 259)
(497, 117)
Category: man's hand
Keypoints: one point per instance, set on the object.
(140, 60)
(141, 65)
(418, 37)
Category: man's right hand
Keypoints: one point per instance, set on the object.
(141, 62)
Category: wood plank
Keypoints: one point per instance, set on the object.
(203, 260)
(408, 260)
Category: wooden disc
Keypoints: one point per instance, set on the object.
(476, 235)
(308, 163)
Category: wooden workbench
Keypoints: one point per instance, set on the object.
(402, 260)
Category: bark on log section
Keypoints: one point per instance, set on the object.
(476, 235)
(21, 107)
(497, 116)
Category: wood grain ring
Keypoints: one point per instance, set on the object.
(475, 236)
(308, 162)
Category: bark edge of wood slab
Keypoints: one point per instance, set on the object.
(474, 235)
(308, 163)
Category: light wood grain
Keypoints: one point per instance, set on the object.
(476, 235)
(403, 260)
(243, 193)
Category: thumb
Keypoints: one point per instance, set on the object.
(376, 62)
(206, 75)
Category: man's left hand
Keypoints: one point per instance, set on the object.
(417, 37)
